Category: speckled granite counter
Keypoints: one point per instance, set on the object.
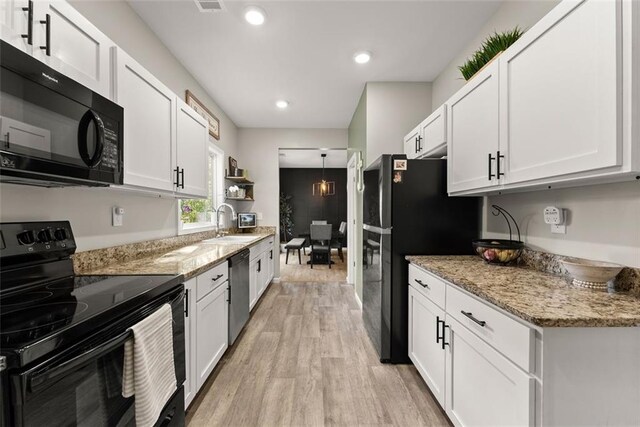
(539, 298)
(189, 259)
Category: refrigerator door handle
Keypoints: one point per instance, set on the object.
(377, 230)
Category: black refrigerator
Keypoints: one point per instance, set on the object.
(406, 211)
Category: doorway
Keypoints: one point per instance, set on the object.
(313, 191)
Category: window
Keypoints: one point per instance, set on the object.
(197, 214)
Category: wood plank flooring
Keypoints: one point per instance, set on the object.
(294, 272)
(304, 359)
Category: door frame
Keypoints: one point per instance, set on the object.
(352, 176)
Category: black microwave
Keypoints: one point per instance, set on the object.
(53, 130)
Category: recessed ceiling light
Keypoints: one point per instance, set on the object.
(362, 57)
(282, 104)
(254, 15)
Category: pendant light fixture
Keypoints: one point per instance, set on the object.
(324, 188)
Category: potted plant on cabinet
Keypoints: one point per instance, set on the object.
(286, 219)
(491, 48)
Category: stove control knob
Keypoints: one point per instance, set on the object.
(45, 235)
(26, 237)
(61, 234)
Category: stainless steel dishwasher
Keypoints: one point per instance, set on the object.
(238, 294)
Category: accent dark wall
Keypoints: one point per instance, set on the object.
(298, 183)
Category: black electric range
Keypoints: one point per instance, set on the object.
(51, 320)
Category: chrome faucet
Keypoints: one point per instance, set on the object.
(217, 211)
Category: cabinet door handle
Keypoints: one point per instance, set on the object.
(419, 143)
(416, 145)
(444, 327)
(491, 175)
(29, 35)
(438, 329)
(47, 24)
(500, 156)
(182, 178)
(186, 303)
(177, 181)
(229, 293)
(217, 277)
(271, 254)
(421, 283)
(259, 265)
(470, 316)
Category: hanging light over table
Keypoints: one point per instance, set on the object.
(324, 188)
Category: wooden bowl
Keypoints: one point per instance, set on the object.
(591, 274)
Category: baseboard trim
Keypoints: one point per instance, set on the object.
(357, 298)
(276, 280)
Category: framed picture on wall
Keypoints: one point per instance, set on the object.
(233, 166)
(214, 122)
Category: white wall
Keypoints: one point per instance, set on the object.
(89, 209)
(393, 109)
(522, 13)
(258, 152)
(604, 220)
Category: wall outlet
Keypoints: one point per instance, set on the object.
(558, 229)
(117, 216)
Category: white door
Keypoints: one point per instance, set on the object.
(351, 217)
(434, 134)
(149, 125)
(425, 348)
(561, 93)
(473, 132)
(74, 46)
(254, 277)
(189, 340)
(212, 334)
(412, 142)
(192, 145)
(483, 388)
(17, 23)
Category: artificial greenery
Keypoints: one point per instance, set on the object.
(286, 217)
(492, 46)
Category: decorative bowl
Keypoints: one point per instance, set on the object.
(591, 274)
(497, 251)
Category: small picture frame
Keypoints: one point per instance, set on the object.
(214, 122)
(400, 165)
(233, 166)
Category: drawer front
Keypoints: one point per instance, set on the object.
(508, 336)
(211, 279)
(428, 285)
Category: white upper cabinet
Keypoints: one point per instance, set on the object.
(473, 132)
(434, 134)
(411, 141)
(67, 42)
(192, 151)
(17, 23)
(149, 125)
(560, 88)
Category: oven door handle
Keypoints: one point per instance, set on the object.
(83, 131)
(38, 379)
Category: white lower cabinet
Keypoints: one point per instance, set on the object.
(484, 387)
(254, 279)
(212, 331)
(425, 348)
(261, 269)
(189, 341)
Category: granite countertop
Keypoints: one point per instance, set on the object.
(188, 260)
(539, 298)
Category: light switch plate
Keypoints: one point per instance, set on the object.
(117, 216)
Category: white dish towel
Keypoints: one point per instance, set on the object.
(149, 371)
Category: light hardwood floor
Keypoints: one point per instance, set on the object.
(295, 272)
(304, 359)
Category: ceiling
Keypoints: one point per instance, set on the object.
(312, 159)
(304, 51)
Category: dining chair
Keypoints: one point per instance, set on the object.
(318, 221)
(339, 240)
(320, 236)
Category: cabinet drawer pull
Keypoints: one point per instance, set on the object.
(470, 316)
(217, 277)
(421, 283)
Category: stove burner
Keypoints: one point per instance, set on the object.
(41, 318)
(64, 285)
(26, 298)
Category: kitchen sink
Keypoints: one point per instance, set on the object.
(230, 240)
